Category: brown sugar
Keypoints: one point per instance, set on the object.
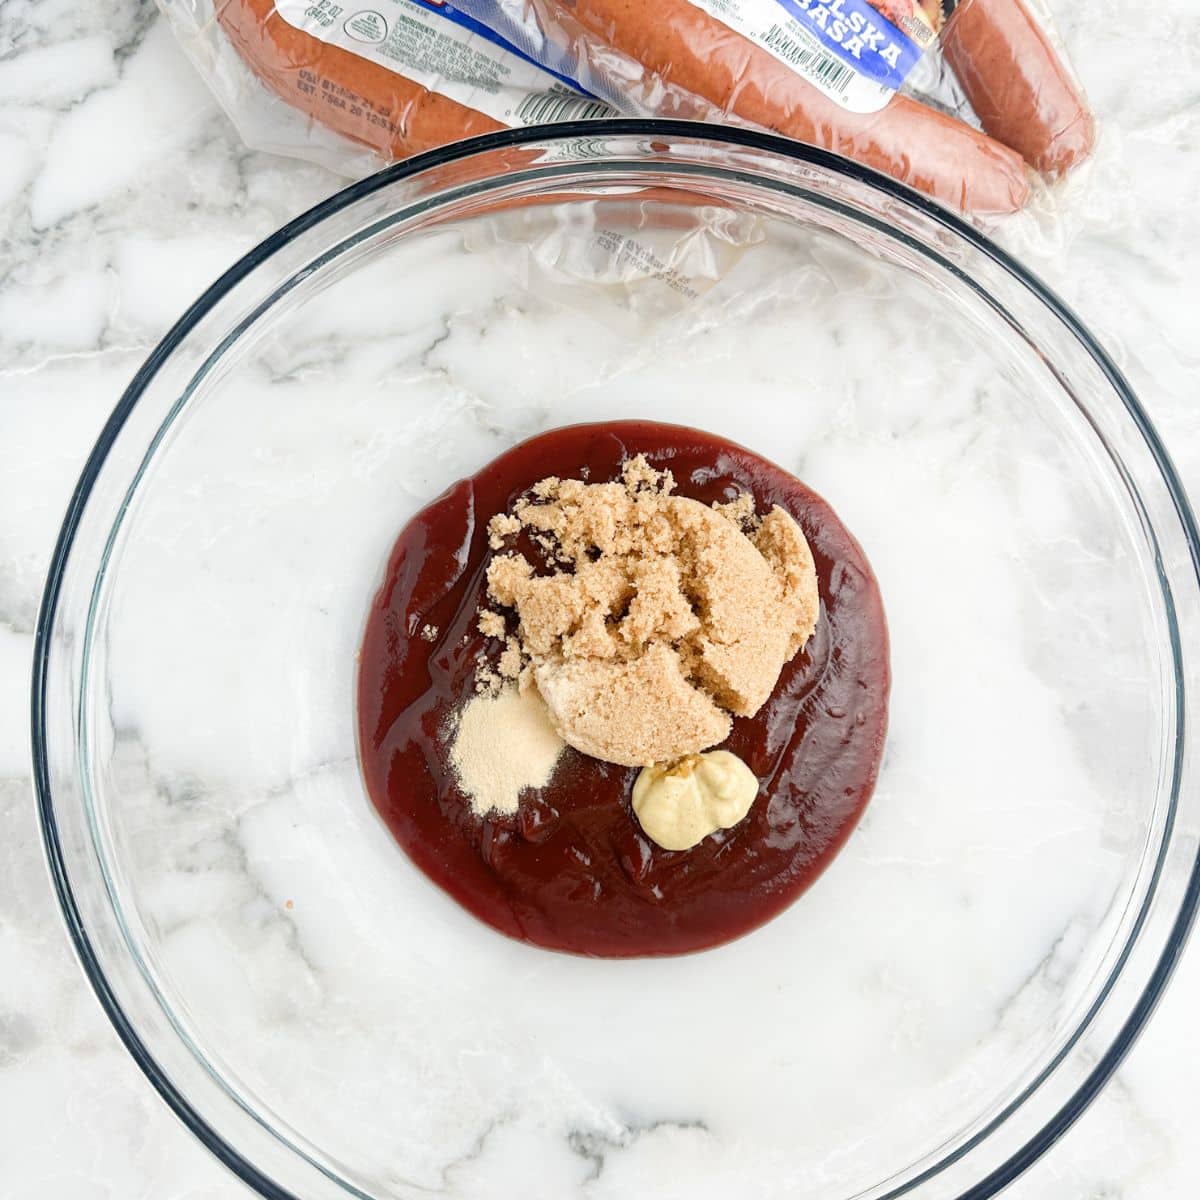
(741, 512)
(512, 661)
(668, 617)
(631, 712)
(500, 527)
(491, 624)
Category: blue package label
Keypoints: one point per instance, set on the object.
(859, 34)
(858, 52)
(479, 29)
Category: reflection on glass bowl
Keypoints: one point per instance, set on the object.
(967, 973)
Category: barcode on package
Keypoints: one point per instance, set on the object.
(809, 60)
(846, 49)
(547, 107)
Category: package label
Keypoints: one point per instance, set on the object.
(448, 52)
(858, 52)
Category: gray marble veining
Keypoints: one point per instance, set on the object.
(123, 191)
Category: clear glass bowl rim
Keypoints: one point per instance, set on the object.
(733, 137)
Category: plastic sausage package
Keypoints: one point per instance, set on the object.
(969, 101)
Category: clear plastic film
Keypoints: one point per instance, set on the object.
(970, 101)
(354, 87)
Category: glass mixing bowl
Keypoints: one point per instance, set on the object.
(968, 972)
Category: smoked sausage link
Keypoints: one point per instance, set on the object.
(360, 99)
(397, 117)
(1018, 86)
(924, 148)
(386, 111)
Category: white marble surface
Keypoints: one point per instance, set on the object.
(124, 191)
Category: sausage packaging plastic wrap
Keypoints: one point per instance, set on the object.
(970, 102)
(957, 99)
(1018, 84)
(354, 87)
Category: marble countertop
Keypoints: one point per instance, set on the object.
(124, 190)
